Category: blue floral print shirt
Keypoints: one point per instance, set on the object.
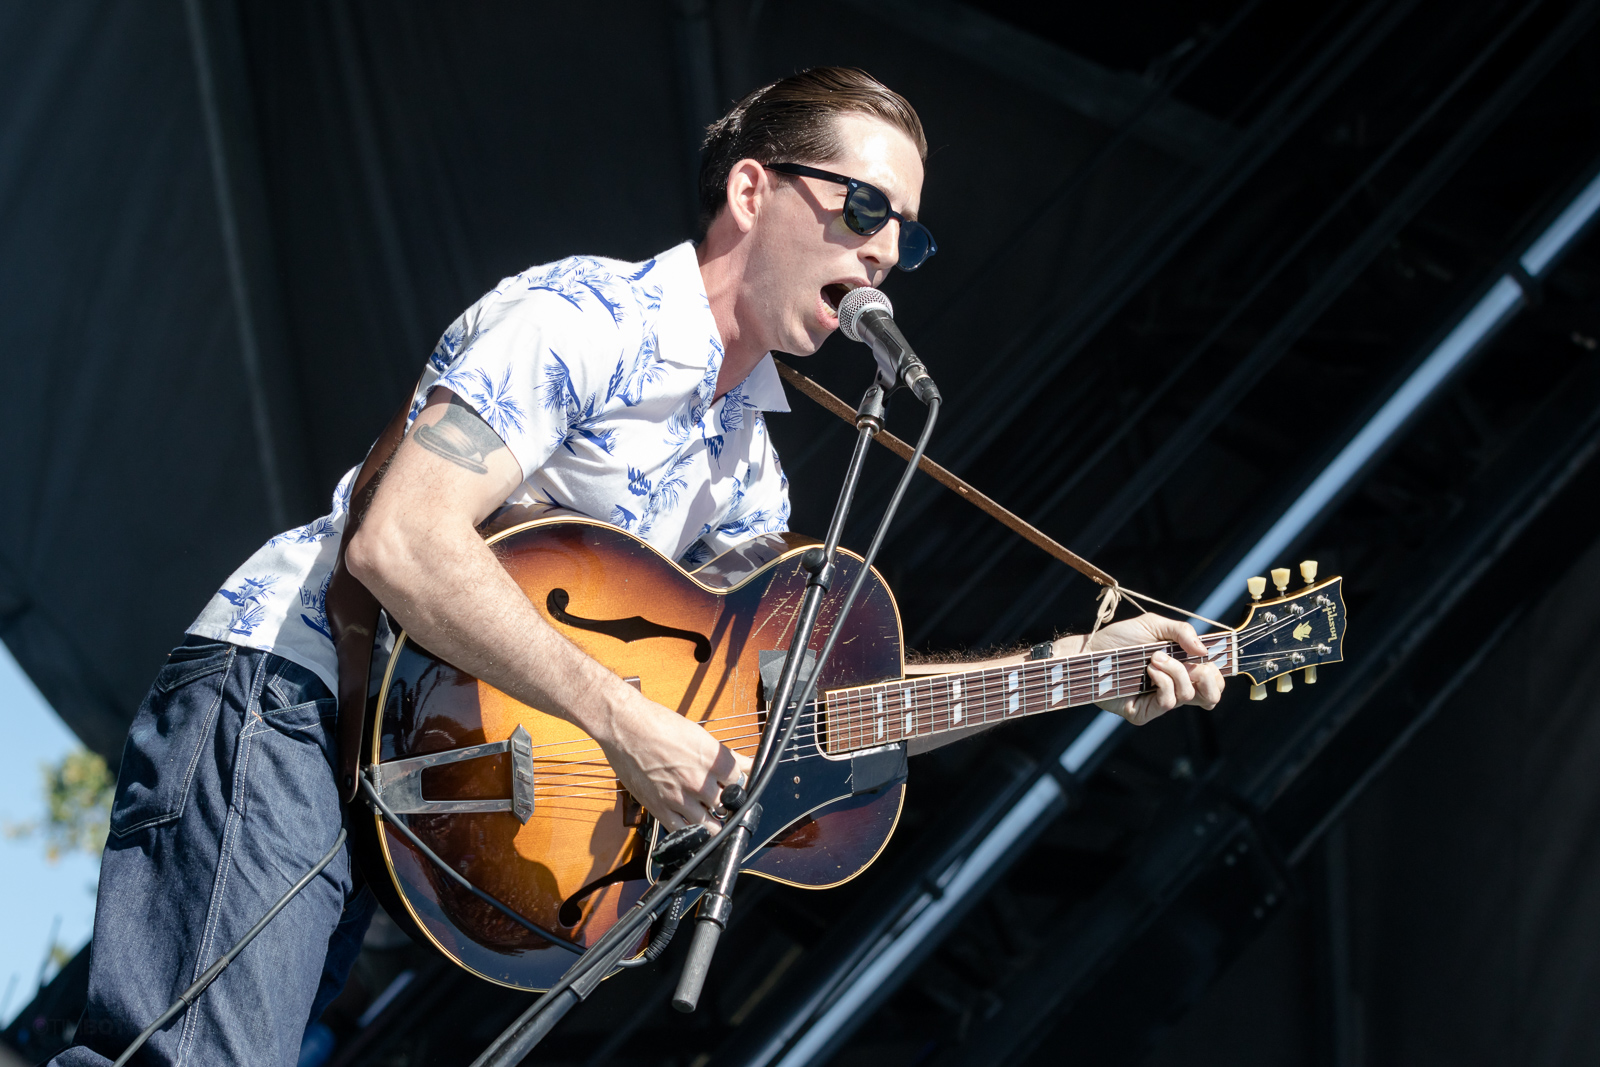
(599, 376)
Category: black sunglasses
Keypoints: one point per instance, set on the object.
(867, 210)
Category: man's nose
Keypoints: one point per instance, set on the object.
(882, 249)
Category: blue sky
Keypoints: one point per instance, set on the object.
(33, 891)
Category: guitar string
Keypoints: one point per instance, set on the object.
(850, 715)
(857, 717)
(1033, 667)
(991, 682)
(856, 714)
(725, 722)
(612, 791)
(926, 717)
(982, 694)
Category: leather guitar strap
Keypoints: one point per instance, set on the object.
(353, 612)
(1112, 592)
(960, 486)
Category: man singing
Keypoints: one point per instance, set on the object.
(631, 393)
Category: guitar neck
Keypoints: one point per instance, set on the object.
(866, 716)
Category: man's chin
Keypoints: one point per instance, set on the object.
(805, 344)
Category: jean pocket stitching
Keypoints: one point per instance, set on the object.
(322, 713)
(208, 726)
(273, 720)
(202, 670)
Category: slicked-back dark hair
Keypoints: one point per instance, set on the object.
(792, 121)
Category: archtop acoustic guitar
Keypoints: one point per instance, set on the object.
(524, 805)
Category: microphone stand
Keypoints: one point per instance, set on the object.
(606, 954)
(717, 903)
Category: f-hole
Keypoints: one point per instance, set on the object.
(571, 911)
(633, 628)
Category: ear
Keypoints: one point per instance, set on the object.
(748, 184)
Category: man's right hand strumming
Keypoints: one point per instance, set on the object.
(672, 766)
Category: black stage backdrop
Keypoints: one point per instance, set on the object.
(1473, 881)
(232, 231)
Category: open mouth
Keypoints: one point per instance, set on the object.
(833, 294)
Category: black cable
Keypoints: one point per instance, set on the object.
(190, 995)
(383, 809)
(525, 1031)
(663, 933)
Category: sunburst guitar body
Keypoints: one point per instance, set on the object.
(691, 642)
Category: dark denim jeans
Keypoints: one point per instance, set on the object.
(225, 799)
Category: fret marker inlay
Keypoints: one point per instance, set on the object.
(1058, 690)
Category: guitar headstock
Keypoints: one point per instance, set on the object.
(1297, 631)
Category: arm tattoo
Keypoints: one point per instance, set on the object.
(461, 436)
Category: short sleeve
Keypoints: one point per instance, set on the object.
(533, 363)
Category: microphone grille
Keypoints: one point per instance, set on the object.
(854, 303)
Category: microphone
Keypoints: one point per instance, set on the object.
(866, 315)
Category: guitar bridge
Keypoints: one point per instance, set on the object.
(400, 781)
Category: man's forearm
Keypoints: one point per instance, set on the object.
(446, 588)
(419, 552)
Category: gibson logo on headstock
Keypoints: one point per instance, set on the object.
(1333, 621)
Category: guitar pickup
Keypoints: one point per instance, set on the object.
(400, 781)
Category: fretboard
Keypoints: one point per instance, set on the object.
(866, 716)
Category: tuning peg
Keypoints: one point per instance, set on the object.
(1257, 586)
(1308, 570)
(1311, 674)
(1285, 683)
(1258, 692)
(1280, 578)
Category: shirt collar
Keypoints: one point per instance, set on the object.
(685, 300)
(763, 388)
(686, 333)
